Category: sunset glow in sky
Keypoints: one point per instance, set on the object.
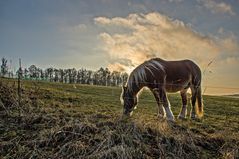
(120, 34)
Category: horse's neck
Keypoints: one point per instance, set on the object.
(136, 87)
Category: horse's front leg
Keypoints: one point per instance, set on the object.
(183, 112)
(166, 104)
(161, 111)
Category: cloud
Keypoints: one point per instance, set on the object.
(156, 35)
(217, 7)
(139, 37)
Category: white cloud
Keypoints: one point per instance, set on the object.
(102, 20)
(217, 7)
(156, 35)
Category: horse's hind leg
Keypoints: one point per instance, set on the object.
(166, 104)
(161, 111)
(193, 102)
(183, 112)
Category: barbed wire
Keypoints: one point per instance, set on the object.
(168, 84)
(174, 84)
(115, 94)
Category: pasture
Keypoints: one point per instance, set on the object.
(58, 120)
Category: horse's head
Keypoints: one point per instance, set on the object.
(129, 100)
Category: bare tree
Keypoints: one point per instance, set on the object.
(4, 68)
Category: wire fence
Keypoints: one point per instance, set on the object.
(116, 94)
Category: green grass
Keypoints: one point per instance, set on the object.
(215, 136)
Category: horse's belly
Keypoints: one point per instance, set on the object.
(172, 90)
(175, 87)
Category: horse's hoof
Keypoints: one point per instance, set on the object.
(160, 116)
(182, 117)
(195, 118)
(170, 120)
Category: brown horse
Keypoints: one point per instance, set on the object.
(160, 77)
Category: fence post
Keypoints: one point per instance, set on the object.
(19, 87)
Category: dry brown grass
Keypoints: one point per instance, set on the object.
(42, 131)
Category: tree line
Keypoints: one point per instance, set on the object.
(102, 76)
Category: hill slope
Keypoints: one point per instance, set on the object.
(80, 121)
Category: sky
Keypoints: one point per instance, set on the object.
(121, 34)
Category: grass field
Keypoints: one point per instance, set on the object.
(81, 121)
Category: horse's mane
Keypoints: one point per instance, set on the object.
(139, 75)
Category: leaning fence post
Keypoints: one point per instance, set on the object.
(19, 87)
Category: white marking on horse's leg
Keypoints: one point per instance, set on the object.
(161, 111)
(168, 111)
(193, 114)
(193, 102)
(166, 104)
(183, 112)
(131, 113)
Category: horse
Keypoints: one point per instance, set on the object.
(161, 77)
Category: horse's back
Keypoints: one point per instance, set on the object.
(185, 66)
(180, 73)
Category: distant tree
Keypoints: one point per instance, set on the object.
(25, 73)
(4, 68)
(33, 72)
(89, 77)
(46, 74)
(82, 76)
(107, 77)
(42, 76)
(20, 73)
(72, 73)
(102, 76)
(78, 76)
(124, 77)
(56, 75)
(115, 78)
(95, 78)
(49, 72)
(61, 74)
(66, 75)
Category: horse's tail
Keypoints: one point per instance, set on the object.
(199, 102)
(197, 77)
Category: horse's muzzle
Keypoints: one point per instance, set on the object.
(127, 113)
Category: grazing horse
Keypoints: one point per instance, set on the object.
(162, 76)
